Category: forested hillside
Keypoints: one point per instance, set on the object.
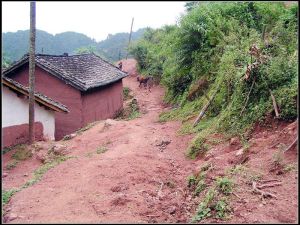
(236, 63)
(15, 44)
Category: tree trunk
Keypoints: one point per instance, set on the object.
(31, 72)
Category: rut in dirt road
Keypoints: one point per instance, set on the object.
(141, 177)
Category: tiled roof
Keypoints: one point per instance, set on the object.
(84, 72)
(42, 99)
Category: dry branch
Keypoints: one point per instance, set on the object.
(269, 185)
(247, 99)
(266, 181)
(291, 145)
(263, 193)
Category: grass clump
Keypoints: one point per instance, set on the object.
(225, 185)
(11, 164)
(126, 93)
(90, 125)
(130, 112)
(22, 153)
(101, 149)
(198, 147)
(7, 194)
(197, 182)
(214, 204)
(38, 173)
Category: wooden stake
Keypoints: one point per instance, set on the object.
(274, 103)
(201, 114)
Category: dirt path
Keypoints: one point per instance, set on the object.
(133, 181)
(139, 180)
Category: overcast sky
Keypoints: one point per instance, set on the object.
(94, 19)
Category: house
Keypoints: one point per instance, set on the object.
(89, 86)
(15, 114)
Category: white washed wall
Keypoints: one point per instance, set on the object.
(15, 112)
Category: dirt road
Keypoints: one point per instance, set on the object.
(133, 181)
(136, 172)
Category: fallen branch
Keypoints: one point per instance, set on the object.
(263, 193)
(274, 104)
(247, 99)
(272, 180)
(201, 114)
(291, 145)
(269, 185)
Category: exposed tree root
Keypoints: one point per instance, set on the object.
(269, 185)
(263, 194)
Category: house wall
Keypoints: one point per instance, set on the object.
(15, 114)
(102, 103)
(47, 84)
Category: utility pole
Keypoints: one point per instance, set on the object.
(129, 37)
(31, 72)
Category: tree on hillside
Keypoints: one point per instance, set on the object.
(190, 5)
(5, 60)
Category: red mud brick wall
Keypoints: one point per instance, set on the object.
(102, 103)
(18, 134)
(49, 85)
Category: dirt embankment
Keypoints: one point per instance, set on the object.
(136, 171)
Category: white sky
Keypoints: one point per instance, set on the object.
(94, 19)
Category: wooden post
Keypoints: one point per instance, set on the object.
(31, 72)
(129, 37)
(274, 104)
(201, 114)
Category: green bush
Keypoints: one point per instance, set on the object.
(211, 41)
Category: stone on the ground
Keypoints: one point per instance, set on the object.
(172, 209)
(110, 122)
(239, 152)
(234, 141)
(4, 174)
(11, 216)
(70, 136)
(59, 149)
(41, 156)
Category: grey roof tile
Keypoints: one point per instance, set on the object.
(84, 72)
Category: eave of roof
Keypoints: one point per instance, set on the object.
(38, 97)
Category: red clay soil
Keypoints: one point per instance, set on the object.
(140, 178)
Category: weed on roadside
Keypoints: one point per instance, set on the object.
(38, 173)
(90, 125)
(126, 95)
(7, 194)
(22, 153)
(225, 185)
(11, 164)
(101, 149)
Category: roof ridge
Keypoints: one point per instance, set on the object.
(108, 62)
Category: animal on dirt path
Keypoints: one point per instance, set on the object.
(147, 81)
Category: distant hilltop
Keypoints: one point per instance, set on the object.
(16, 44)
